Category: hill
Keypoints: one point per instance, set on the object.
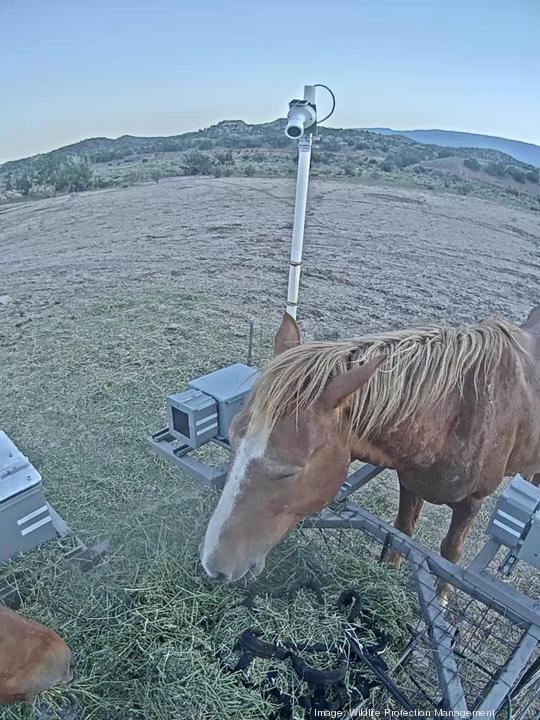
(233, 147)
(522, 151)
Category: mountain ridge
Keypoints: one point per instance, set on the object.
(234, 147)
(525, 152)
(521, 150)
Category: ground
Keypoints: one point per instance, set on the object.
(110, 300)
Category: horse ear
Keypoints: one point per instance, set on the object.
(340, 387)
(287, 336)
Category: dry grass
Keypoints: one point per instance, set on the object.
(80, 394)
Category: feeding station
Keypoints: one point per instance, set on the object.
(478, 654)
(28, 521)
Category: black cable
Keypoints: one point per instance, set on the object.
(333, 103)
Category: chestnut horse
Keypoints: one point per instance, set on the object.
(33, 658)
(453, 410)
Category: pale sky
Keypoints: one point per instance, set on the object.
(73, 69)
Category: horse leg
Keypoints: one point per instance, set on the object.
(463, 514)
(535, 479)
(410, 506)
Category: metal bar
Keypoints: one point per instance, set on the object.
(209, 476)
(163, 435)
(491, 591)
(222, 442)
(439, 635)
(511, 672)
(60, 525)
(87, 557)
(488, 551)
(357, 479)
(249, 359)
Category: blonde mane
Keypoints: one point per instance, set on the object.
(423, 366)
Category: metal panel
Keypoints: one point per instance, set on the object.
(513, 511)
(489, 590)
(439, 635)
(228, 384)
(25, 523)
(17, 474)
(512, 672)
(229, 387)
(530, 549)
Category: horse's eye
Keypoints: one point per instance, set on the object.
(286, 474)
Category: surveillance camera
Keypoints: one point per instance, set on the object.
(302, 115)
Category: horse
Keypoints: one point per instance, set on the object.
(452, 409)
(33, 658)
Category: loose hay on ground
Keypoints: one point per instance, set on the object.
(148, 629)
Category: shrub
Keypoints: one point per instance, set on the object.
(532, 176)
(156, 175)
(331, 144)
(198, 163)
(101, 182)
(249, 171)
(133, 177)
(348, 169)
(495, 169)
(64, 173)
(23, 184)
(226, 157)
(472, 164)
(516, 173)
(405, 157)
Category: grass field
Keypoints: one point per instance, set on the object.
(116, 299)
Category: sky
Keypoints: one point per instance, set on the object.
(72, 69)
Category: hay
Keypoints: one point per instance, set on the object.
(80, 391)
(148, 628)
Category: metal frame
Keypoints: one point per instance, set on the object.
(165, 444)
(426, 565)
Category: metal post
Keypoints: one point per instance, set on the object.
(302, 183)
(250, 343)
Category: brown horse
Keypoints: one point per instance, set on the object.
(453, 410)
(33, 658)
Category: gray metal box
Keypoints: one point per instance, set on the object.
(192, 417)
(229, 388)
(530, 550)
(25, 519)
(513, 511)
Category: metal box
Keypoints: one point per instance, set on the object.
(25, 519)
(513, 512)
(206, 409)
(229, 388)
(192, 417)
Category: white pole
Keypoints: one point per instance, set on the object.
(295, 263)
(302, 183)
